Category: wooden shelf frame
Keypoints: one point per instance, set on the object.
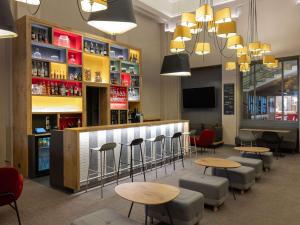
(22, 81)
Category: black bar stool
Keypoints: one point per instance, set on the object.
(102, 159)
(176, 137)
(136, 142)
(154, 155)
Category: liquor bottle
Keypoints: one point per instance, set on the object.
(79, 123)
(48, 127)
(75, 90)
(56, 89)
(92, 48)
(46, 37)
(63, 90)
(38, 69)
(72, 59)
(42, 70)
(44, 91)
(71, 91)
(97, 49)
(52, 91)
(86, 47)
(34, 69)
(48, 88)
(33, 35)
(46, 71)
(104, 51)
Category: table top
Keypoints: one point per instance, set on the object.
(217, 163)
(147, 193)
(265, 130)
(252, 149)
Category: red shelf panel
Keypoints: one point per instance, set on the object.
(125, 79)
(77, 58)
(74, 41)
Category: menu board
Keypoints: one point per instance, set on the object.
(228, 99)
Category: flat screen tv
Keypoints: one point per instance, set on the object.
(199, 97)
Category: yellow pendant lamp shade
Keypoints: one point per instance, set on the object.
(269, 59)
(257, 53)
(223, 16)
(188, 19)
(245, 68)
(242, 51)
(244, 59)
(229, 66)
(211, 27)
(204, 13)
(273, 65)
(235, 42)
(182, 33)
(254, 46)
(265, 48)
(226, 30)
(202, 48)
(177, 46)
(197, 28)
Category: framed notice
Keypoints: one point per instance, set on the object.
(229, 99)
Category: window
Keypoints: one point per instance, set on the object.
(271, 94)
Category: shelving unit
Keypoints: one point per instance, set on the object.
(57, 70)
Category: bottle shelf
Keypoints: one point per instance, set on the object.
(55, 80)
(58, 96)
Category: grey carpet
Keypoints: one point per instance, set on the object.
(273, 200)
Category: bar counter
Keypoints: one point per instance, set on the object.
(78, 141)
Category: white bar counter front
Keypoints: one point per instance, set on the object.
(78, 141)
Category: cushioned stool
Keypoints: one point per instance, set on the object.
(266, 157)
(256, 164)
(214, 189)
(241, 178)
(104, 217)
(186, 209)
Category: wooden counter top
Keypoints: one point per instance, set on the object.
(120, 126)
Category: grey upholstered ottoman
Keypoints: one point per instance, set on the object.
(104, 217)
(266, 157)
(186, 209)
(256, 164)
(214, 189)
(241, 178)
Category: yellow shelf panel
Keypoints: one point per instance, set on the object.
(58, 71)
(96, 63)
(49, 104)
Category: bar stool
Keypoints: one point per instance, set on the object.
(176, 137)
(153, 141)
(102, 159)
(187, 137)
(136, 142)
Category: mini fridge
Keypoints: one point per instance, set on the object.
(39, 155)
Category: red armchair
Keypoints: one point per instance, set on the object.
(205, 140)
(11, 186)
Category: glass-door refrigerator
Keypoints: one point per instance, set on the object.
(39, 155)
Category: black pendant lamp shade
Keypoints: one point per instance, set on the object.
(7, 25)
(176, 65)
(117, 19)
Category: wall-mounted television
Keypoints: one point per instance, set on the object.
(199, 97)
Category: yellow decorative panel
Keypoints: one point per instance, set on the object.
(58, 71)
(41, 104)
(93, 64)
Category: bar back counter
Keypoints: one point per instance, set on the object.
(78, 141)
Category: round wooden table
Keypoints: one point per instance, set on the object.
(219, 163)
(148, 193)
(257, 150)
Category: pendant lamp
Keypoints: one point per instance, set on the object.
(229, 66)
(30, 2)
(242, 51)
(117, 19)
(211, 27)
(226, 30)
(7, 25)
(182, 33)
(244, 59)
(269, 59)
(235, 42)
(265, 48)
(245, 68)
(204, 13)
(188, 19)
(273, 65)
(202, 48)
(223, 16)
(197, 28)
(176, 65)
(254, 46)
(177, 46)
(93, 5)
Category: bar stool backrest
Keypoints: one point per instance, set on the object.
(137, 141)
(159, 138)
(193, 132)
(177, 135)
(108, 146)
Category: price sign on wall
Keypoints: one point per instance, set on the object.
(228, 99)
